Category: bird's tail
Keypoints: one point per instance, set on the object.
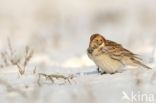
(142, 64)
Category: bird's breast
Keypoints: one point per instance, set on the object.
(106, 63)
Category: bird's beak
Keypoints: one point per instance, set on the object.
(90, 50)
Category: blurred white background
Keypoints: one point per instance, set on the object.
(56, 24)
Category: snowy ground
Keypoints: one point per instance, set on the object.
(58, 34)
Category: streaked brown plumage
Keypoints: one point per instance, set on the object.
(110, 56)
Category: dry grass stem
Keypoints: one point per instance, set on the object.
(10, 58)
(51, 77)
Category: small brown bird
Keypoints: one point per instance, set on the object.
(110, 56)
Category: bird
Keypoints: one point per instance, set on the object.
(111, 57)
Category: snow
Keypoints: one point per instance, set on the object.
(58, 32)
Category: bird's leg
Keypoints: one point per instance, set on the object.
(98, 69)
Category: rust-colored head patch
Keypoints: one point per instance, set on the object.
(96, 40)
(95, 36)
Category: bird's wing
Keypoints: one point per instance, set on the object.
(116, 50)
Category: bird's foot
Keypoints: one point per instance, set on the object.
(103, 73)
(112, 73)
(107, 73)
(100, 72)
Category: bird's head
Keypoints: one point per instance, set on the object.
(97, 40)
